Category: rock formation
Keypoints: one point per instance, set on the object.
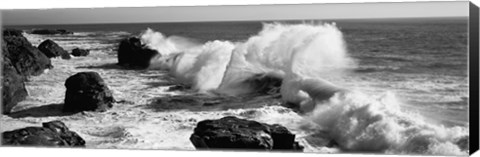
(80, 52)
(234, 133)
(131, 53)
(53, 133)
(52, 49)
(86, 91)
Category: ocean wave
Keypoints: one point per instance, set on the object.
(303, 55)
(286, 51)
(358, 122)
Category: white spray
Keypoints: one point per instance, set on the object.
(303, 55)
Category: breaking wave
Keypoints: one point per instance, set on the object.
(285, 51)
(302, 55)
(358, 122)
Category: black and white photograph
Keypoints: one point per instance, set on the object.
(357, 78)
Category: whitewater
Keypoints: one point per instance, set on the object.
(311, 60)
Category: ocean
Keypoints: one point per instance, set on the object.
(410, 78)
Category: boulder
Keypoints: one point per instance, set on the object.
(27, 59)
(80, 52)
(234, 133)
(52, 49)
(13, 86)
(264, 84)
(50, 31)
(53, 133)
(12, 32)
(86, 91)
(131, 53)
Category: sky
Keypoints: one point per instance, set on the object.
(233, 13)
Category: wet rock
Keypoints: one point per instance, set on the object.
(131, 53)
(27, 59)
(265, 84)
(50, 31)
(12, 32)
(80, 52)
(53, 133)
(234, 133)
(52, 49)
(178, 88)
(20, 60)
(13, 87)
(463, 143)
(86, 91)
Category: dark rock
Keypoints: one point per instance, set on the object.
(20, 60)
(463, 143)
(13, 87)
(12, 32)
(234, 133)
(27, 59)
(86, 91)
(63, 31)
(80, 52)
(50, 31)
(53, 133)
(178, 88)
(52, 49)
(264, 84)
(131, 53)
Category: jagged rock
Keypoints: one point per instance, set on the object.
(131, 53)
(20, 60)
(50, 31)
(52, 49)
(264, 84)
(12, 32)
(234, 133)
(53, 133)
(13, 87)
(80, 52)
(27, 59)
(86, 91)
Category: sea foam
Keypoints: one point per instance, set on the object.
(303, 55)
(358, 122)
(286, 51)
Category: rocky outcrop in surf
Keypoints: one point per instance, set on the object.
(50, 31)
(13, 86)
(264, 84)
(52, 49)
(234, 133)
(27, 59)
(77, 52)
(133, 54)
(12, 32)
(86, 91)
(20, 60)
(54, 133)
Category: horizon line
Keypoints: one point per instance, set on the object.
(242, 20)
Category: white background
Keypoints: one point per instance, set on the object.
(66, 152)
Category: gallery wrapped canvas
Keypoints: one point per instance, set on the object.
(321, 78)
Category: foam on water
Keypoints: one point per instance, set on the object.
(358, 122)
(167, 45)
(303, 55)
(287, 51)
(306, 56)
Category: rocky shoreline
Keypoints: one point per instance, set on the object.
(87, 91)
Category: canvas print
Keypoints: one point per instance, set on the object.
(381, 78)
